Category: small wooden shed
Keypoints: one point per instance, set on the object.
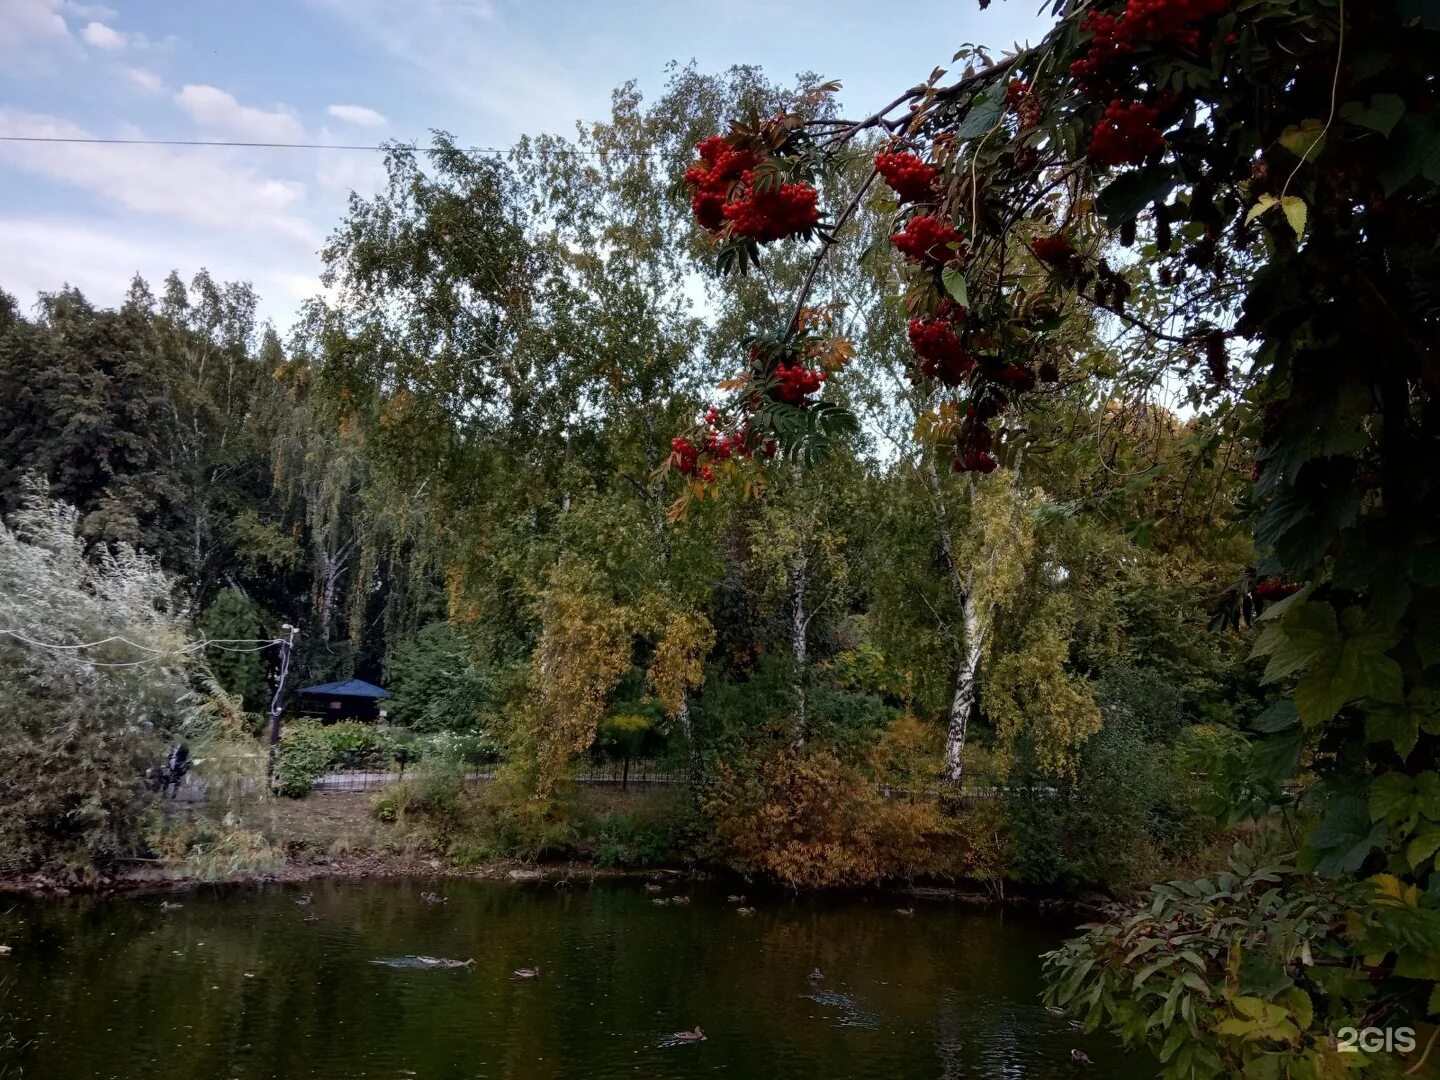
(350, 699)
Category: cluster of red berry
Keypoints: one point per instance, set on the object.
(1017, 91)
(1113, 37)
(772, 214)
(909, 177)
(683, 454)
(928, 240)
(724, 189)
(1053, 250)
(691, 460)
(795, 382)
(719, 169)
(1270, 591)
(1125, 135)
(941, 354)
(1109, 45)
(974, 450)
(1170, 20)
(1017, 377)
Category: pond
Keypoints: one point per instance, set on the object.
(283, 982)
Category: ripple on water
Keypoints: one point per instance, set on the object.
(240, 985)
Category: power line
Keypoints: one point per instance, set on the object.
(492, 151)
(234, 645)
(95, 141)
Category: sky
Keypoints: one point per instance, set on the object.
(358, 71)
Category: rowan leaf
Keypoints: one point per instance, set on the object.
(956, 286)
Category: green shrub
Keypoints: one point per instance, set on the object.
(355, 743)
(503, 822)
(437, 798)
(214, 850)
(637, 840)
(437, 682)
(78, 735)
(304, 757)
(459, 749)
(309, 749)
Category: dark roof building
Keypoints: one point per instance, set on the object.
(349, 699)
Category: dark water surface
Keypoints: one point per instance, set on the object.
(244, 984)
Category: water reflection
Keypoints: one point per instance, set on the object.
(368, 979)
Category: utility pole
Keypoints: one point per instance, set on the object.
(277, 703)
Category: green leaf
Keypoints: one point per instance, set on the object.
(1307, 631)
(984, 114)
(1413, 151)
(1123, 198)
(1278, 716)
(1250, 1005)
(1393, 796)
(1345, 837)
(1292, 206)
(1237, 1028)
(1177, 1036)
(956, 286)
(1300, 1006)
(1394, 724)
(1382, 114)
(1357, 669)
(1402, 800)
(1303, 139)
(1262, 974)
(1422, 845)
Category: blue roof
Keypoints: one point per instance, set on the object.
(348, 688)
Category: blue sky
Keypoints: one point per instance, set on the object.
(351, 71)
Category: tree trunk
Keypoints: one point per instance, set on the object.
(688, 727)
(972, 646)
(962, 705)
(798, 626)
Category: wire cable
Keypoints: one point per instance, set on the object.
(491, 151)
(223, 644)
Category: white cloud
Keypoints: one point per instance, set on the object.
(358, 115)
(90, 11)
(204, 186)
(102, 37)
(29, 20)
(344, 171)
(144, 79)
(215, 110)
(467, 50)
(100, 259)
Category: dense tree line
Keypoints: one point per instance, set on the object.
(1248, 190)
(452, 476)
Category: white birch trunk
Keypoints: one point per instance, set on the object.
(967, 694)
(966, 697)
(798, 626)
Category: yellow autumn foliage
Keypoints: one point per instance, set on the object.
(805, 817)
(678, 665)
(586, 647)
(1030, 693)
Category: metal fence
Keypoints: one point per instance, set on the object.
(637, 774)
(634, 775)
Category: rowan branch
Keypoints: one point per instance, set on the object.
(825, 246)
